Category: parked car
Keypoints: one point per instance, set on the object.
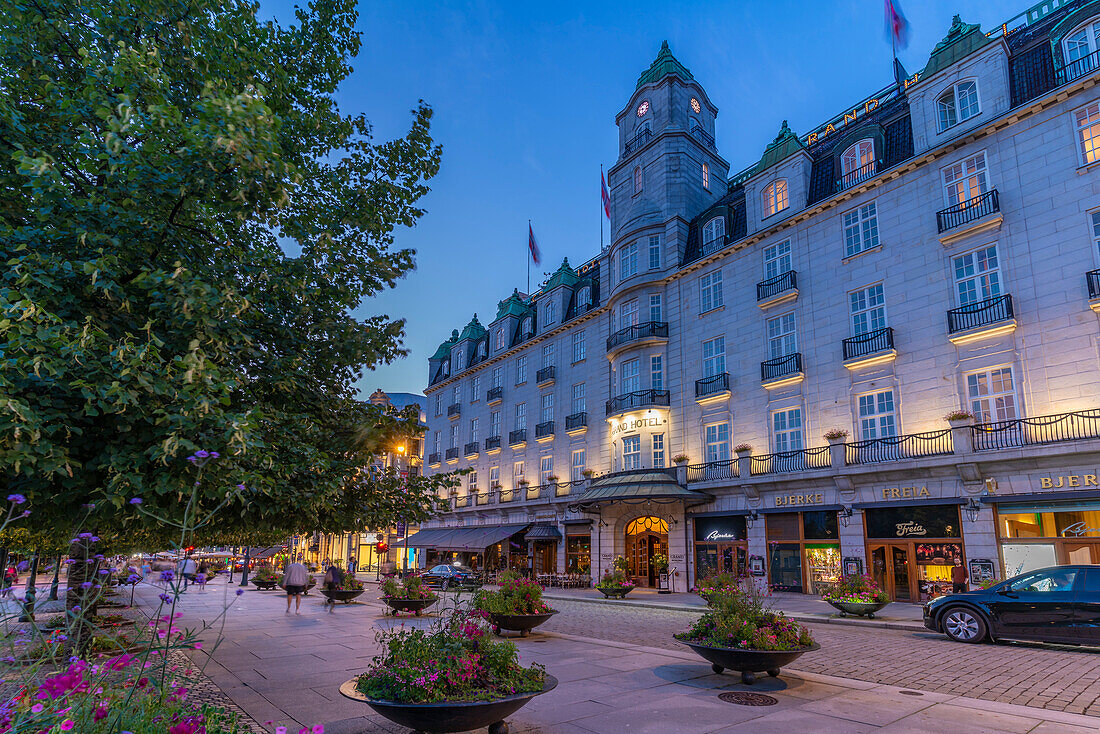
(448, 576)
(1057, 604)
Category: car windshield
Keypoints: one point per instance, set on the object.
(440, 569)
(463, 569)
(1058, 579)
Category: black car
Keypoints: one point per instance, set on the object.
(451, 576)
(1058, 604)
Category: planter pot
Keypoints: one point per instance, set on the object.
(615, 593)
(522, 623)
(264, 585)
(450, 717)
(416, 606)
(857, 609)
(747, 662)
(344, 595)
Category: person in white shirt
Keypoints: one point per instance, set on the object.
(295, 579)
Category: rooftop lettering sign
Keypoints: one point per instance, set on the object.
(860, 111)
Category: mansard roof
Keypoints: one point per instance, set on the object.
(444, 350)
(513, 305)
(473, 330)
(785, 145)
(962, 39)
(662, 66)
(562, 276)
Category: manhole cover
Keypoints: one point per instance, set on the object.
(911, 693)
(744, 698)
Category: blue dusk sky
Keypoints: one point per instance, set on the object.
(525, 96)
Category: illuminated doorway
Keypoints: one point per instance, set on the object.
(645, 538)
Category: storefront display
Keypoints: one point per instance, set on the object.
(1033, 535)
(803, 550)
(578, 550)
(913, 549)
(720, 545)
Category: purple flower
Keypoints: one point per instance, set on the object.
(165, 598)
(133, 578)
(240, 487)
(86, 585)
(16, 499)
(240, 591)
(85, 536)
(136, 501)
(167, 576)
(26, 513)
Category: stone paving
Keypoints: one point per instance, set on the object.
(634, 677)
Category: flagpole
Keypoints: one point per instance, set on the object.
(529, 258)
(601, 207)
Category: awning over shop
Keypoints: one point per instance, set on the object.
(543, 532)
(800, 508)
(259, 554)
(476, 538)
(638, 487)
(1042, 497)
(910, 503)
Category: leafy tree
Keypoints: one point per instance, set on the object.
(188, 220)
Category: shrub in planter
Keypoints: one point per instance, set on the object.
(411, 587)
(265, 574)
(516, 596)
(717, 582)
(958, 415)
(856, 589)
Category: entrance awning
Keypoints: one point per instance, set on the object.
(637, 487)
(1042, 497)
(543, 532)
(911, 503)
(476, 538)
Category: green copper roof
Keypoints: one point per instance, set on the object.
(962, 39)
(562, 276)
(513, 305)
(662, 66)
(473, 330)
(444, 350)
(786, 144)
(636, 488)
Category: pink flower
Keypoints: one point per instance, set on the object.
(67, 725)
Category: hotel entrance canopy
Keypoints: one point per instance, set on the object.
(476, 538)
(637, 488)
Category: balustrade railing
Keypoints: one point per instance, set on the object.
(545, 428)
(1075, 426)
(878, 340)
(968, 211)
(772, 369)
(712, 470)
(636, 142)
(774, 286)
(452, 453)
(453, 410)
(982, 313)
(1093, 278)
(637, 331)
(637, 399)
(518, 436)
(782, 462)
(703, 135)
(494, 393)
(1077, 68)
(471, 448)
(434, 458)
(577, 420)
(859, 175)
(896, 448)
(493, 442)
(544, 375)
(713, 384)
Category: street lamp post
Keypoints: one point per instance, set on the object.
(244, 568)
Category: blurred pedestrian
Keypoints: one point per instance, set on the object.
(333, 581)
(295, 580)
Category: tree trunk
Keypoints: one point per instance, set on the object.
(80, 601)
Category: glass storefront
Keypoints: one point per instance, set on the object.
(720, 545)
(1036, 536)
(803, 550)
(914, 550)
(578, 551)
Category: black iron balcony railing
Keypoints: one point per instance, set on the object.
(878, 340)
(774, 286)
(1093, 278)
(712, 384)
(546, 428)
(470, 449)
(725, 469)
(452, 453)
(518, 436)
(782, 462)
(772, 369)
(493, 442)
(637, 331)
(481, 498)
(712, 246)
(968, 211)
(544, 375)
(577, 420)
(435, 458)
(636, 142)
(637, 399)
(896, 448)
(453, 410)
(859, 175)
(1076, 426)
(982, 313)
(463, 501)
(507, 495)
(1077, 69)
(703, 135)
(494, 393)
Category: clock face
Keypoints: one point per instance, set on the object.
(695, 105)
(643, 108)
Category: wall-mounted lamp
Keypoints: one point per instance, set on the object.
(972, 508)
(751, 518)
(845, 515)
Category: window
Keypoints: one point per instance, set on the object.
(714, 356)
(628, 376)
(1045, 582)
(546, 469)
(439, 404)
(858, 162)
(632, 452)
(777, 260)
(584, 297)
(578, 465)
(992, 394)
(1094, 217)
(456, 395)
(656, 376)
(782, 339)
(494, 423)
(550, 312)
(957, 104)
(517, 473)
(475, 389)
(1079, 47)
(628, 313)
(521, 370)
(499, 338)
(528, 327)
(775, 197)
(1088, 133)
(481, 350)
(710, 291)
(498, 377)
(877, 418)
(454, 437)
(494, 477)
(658, 450)
(714, 234)
(521, 416)
(578, 345)
(706, 175)
(471, 483)
(654, 252)
(655, 307)
(446, 368)
(637, 179)
(578, 404)
(548, 354)
(868, 309)
(787, 429)
(459, 362)
(965, 180)
(628, 261)
(547, 408)
(473, 430)
(437, 442)
(860, 229)
(977, 275)
(717, 439)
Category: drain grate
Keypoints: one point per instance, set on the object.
(911, 693)
(744, 698)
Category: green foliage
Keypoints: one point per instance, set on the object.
(411, 587)
(739, 618)
(264, 573)
(188, 226)
(515, 596)
(857, 588)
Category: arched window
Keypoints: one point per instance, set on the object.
(500, 338)
(714, 234)
(637, 179)
(584, 297)
(549, 314)
(446, 368)
(957, 104)
(1081, 47)
(706, 176)
(858, 162)
(775, 197)
(481, 349)
(527, 330)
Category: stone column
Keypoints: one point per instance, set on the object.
(744, 462)
(961, 437)
(836, 452)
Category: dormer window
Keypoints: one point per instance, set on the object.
(459, 363)
(775, 197)
(584, 297)
(957, 104)
(858, 162)
(446, 368)
(714, 234)
(481, 350)
(706, 176)
(549, 313)
(527, 330)
(637, 179)
(499, 343)
(1080, 45)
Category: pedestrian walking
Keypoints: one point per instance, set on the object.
(202, 575)
(959, 577)
(295, 580)
(334, 579)
(188, 569)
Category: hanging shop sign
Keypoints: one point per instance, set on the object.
(720, 529)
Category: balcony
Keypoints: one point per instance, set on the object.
(544, 430)
(492, 444)
(897, 448)
(782, 462)
(781, 288)
(636, 142)
(463, 501)
(715, 387)
(435, 458)
(857, 176)
(637, 399)
(785, 370)
(978, 212)
(1076, 426)
(873, 347)
(703, 135)
(494, 395)
(712, 470)
(453, 411)
(481, 498)
(507, 495)
(515, 438)
(650, 332)
(471, 449)
(452, 454)
(545, 376)
(576, 423)
(1077, 69)
(1093, 279)
(980, 320)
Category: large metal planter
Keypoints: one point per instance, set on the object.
(857, 609)
(522, 623)
(748, 662)
(450, 717)
(416, 606)
(264, 585)
(344, 595)
(615, 593)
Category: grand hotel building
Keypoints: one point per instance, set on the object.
(757, 374)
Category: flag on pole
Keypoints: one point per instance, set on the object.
(533, 245)
(606, 196)
(897, 27)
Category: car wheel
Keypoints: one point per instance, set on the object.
(963, 625)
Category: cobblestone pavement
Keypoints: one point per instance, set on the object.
(1058, 678)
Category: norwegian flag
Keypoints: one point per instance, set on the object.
(533, 245)
(897, 27)
(606, 196)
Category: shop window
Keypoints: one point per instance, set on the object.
(803, 551)
(578, 552)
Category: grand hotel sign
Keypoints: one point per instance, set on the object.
(858, 113)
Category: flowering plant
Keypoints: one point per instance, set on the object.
(265, 574)
(680, 459)
(351, 583)
(739, 618)
(614, 580)
(660, 562)
(742, 447)
(716, 582)
(856, 589)
(835, 433)
(411, 587)
(516, 596)
(958, 415)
